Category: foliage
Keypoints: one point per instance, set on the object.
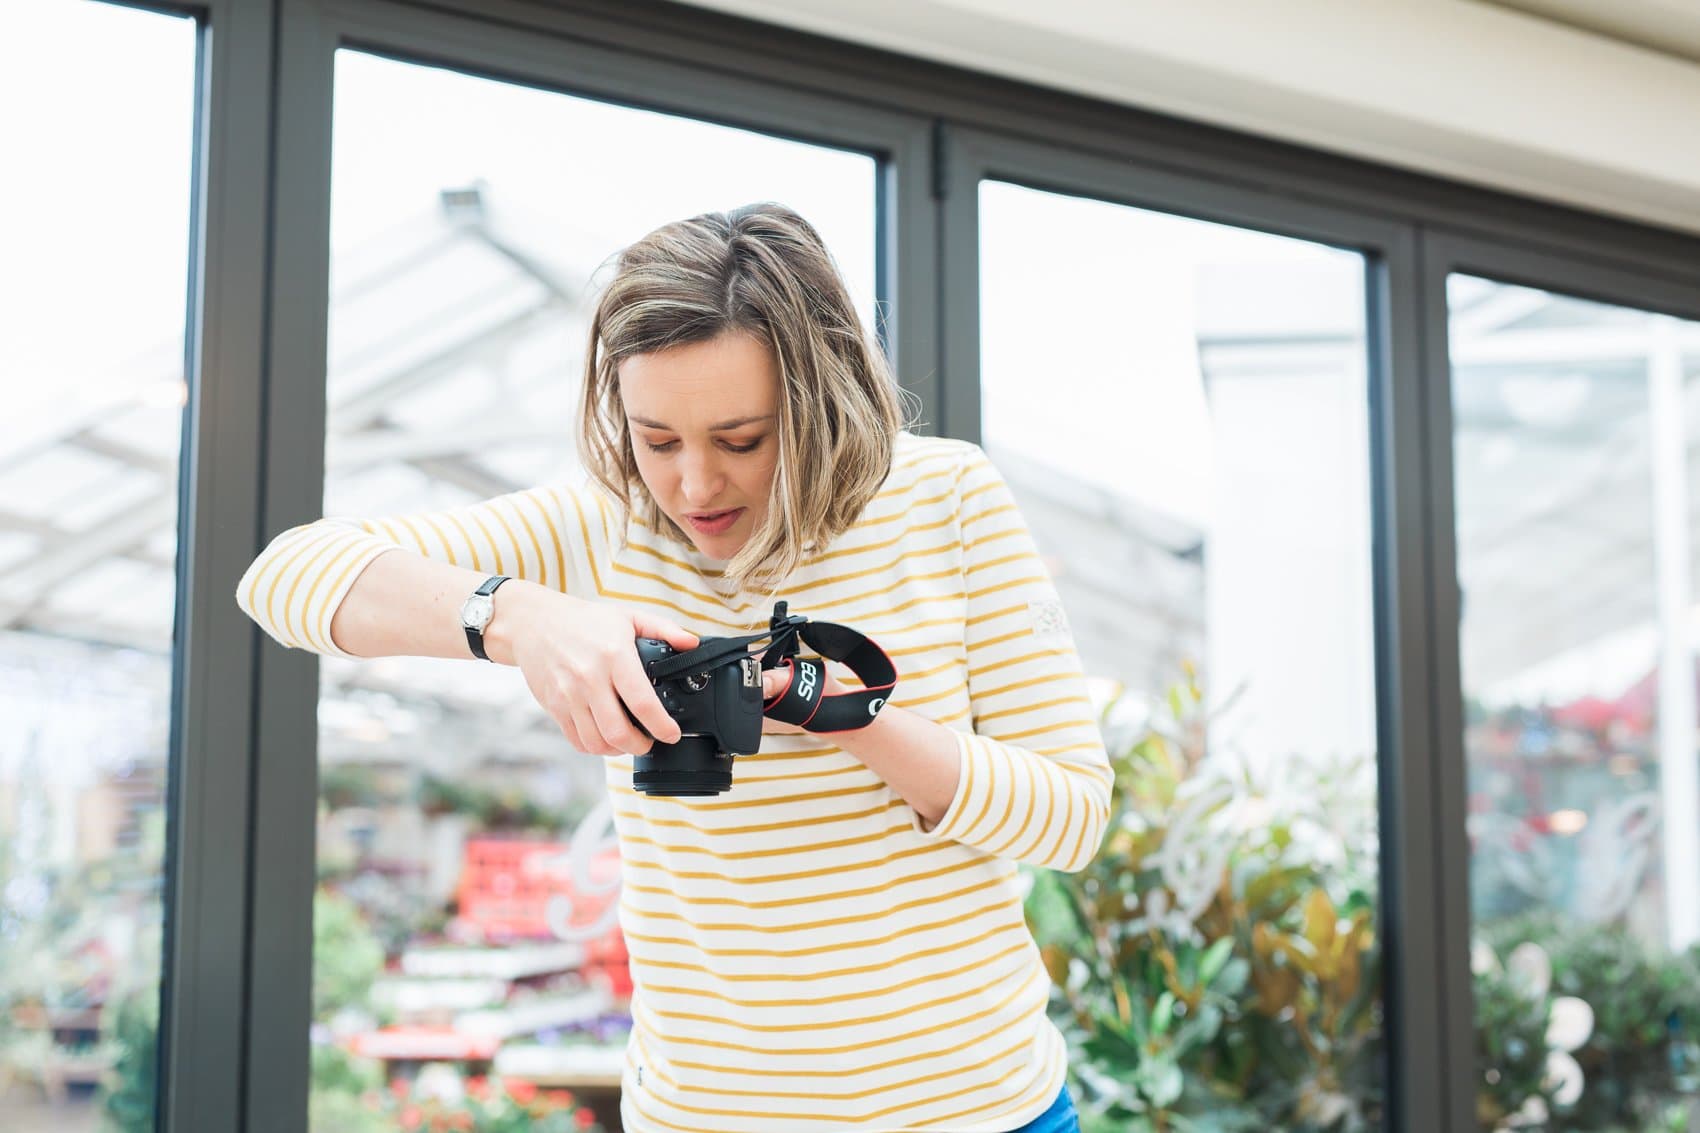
(1215, 966)
(130, 1094)
(1640, 1061)
(347, 957)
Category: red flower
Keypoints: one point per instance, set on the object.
(478, 1086)
(584, 1118)
(520, 1090)
(411, 1117)
(562, 1098)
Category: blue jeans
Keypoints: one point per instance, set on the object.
(1060, 1118)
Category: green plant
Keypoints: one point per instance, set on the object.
(347, 957)
(1215, 965)
(1636, 1062)
(130, 1091)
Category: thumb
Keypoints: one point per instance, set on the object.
(647, 625)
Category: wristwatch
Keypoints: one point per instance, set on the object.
(476, 612)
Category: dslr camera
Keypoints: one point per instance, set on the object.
(714, 692)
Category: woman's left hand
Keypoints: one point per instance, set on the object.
(773, 682)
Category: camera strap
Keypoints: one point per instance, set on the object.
(802, 702)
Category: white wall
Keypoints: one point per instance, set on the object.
(1468, 90)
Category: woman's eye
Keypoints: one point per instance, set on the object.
(669, 446)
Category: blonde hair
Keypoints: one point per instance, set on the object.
(764, 271)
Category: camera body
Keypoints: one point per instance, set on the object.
(719, 713)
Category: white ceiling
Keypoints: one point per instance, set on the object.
(1664, 25)
(1476, 91)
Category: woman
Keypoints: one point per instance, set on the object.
(837, 943)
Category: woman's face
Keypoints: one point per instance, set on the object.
(704, 424)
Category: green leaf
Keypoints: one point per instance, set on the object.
(1163, 1013)
(1160, 1080)
(1215, 959)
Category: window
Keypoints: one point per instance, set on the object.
(97, 198)
(1573, 433)
(473, 222)
(1181, 410)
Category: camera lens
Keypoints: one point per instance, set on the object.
(688, 768)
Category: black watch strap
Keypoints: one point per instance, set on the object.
(475, 637)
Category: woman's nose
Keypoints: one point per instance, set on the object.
(701, 480)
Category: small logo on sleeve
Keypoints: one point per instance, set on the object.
(1048, 619)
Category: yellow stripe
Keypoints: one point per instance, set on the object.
(986, 806)
(472, 544)
(771, 851)
(536, 545)
(1031, 853)
(289, 606)
(988, 513)
(554, 534)
(847, 769)
(973, 545)
(1080, 839)
(589, 549)
(448, 550)
(990, 693)
(1030, 580)
(307, 632)
(1027, 820)
(1034, 1097)
(410, 533)
(742, 804)
(807, 898)
(513, 543)
(809, 926)
(992, 615)
(839, 973)
(1023, 557)
(853, 1095)
(850, 1048)
(284, 539)
(842, 997)
(806, 822)
(327, 641)
(1011, 737)
(953, 921)
(283, 572)
(1021, 660)
(835, 1071)
(983, 717)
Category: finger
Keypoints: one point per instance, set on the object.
(773, 682)
(616, 727)
(648, 625)
(639, 696)
(590, 736)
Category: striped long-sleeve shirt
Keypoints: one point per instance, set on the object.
(805, 953)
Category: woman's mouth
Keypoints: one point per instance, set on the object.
(714, 522)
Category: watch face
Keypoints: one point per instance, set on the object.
(475, 612)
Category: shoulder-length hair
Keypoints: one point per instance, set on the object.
(764, 271)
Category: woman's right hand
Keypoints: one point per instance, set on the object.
(580, 661)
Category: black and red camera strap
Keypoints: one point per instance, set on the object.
(803, 701)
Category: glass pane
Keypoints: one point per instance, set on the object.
(92, 361)
(1574, 424)
(1181, 410)
(457, 960)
